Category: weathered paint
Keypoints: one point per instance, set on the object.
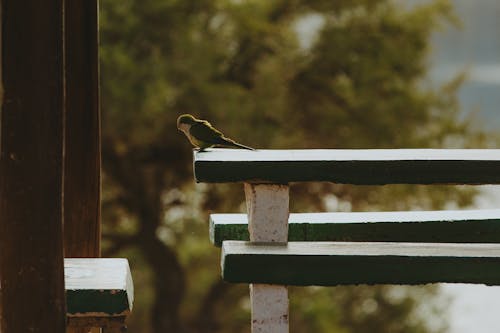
(269, 308)
(268, 210)
(360, 166)
(452, 226)
(267, 207)
(337, 263)
(98, 287)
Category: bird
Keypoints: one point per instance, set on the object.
(203, 135)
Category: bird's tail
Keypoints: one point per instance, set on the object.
(242, 146)
(231, 143)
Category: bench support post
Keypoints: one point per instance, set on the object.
(268, 210)
(97, 324)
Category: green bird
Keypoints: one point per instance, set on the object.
(203, 135)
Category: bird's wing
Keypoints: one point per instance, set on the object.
(205, 132)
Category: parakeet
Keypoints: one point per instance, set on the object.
(203, 135)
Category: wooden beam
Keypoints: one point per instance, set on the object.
(31, 167)
(338, 263)
(82, 229)
(360, 166)
(448, 226)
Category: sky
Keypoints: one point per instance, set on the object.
(473, 48)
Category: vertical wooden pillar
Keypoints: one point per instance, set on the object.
(31, 167)
(82, 165)
(268, 210)
(82, 228)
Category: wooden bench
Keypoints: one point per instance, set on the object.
(99, 293)
(270, 248)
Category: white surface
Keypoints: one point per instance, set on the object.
(267, 207)
(269, 308)
(364, 249)
(215, 154)
(366, 217)
(268, 210)
(96, 273)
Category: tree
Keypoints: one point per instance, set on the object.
(243, 64)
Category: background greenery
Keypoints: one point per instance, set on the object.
(271, 74)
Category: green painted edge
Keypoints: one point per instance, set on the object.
(361, 172)
(221, 232)
(109, 302)
(470, 231)
(332, 270)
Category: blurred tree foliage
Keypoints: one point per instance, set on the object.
(272, 74)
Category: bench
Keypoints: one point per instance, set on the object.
(99, 293)
(270, 248)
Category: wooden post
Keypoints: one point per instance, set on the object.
(82, 160)
(268, 210)
(31, 167)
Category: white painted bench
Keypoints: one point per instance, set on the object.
(270, 248)
(99, 293)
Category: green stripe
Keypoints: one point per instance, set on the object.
(107, 302)
(439, 227)
(360, 263)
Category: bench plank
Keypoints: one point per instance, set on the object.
(360, 166)
(98, 287)
(340, 263)
(448, 226)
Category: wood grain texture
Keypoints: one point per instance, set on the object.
(340, 263)
(449, 226)
(82, 131)
(360, 166)
(98, 287)
(82, 229)
(31, 167)
(114, 324)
